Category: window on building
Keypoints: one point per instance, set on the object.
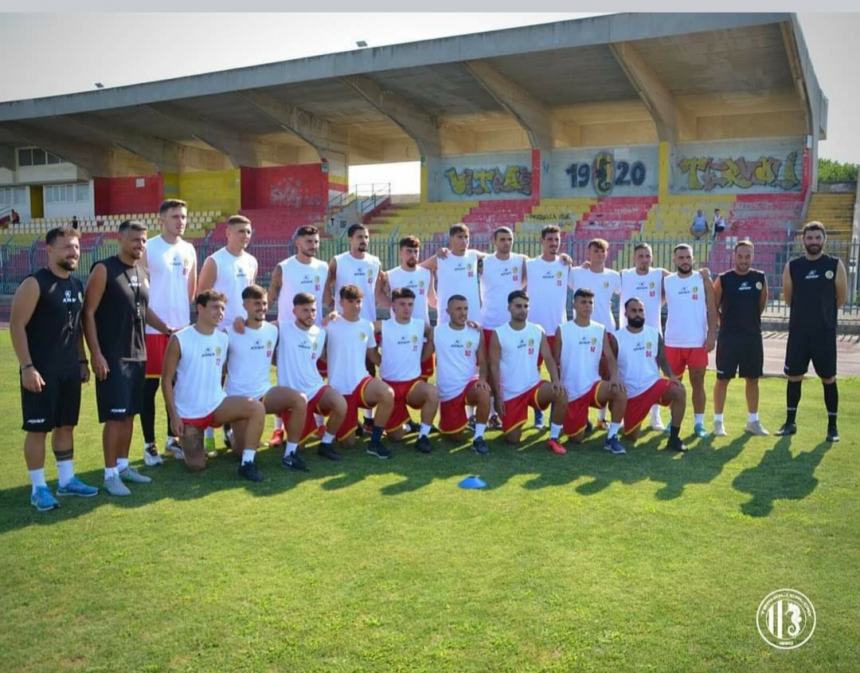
(25, 157)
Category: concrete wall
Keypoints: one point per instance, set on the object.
(302, 187)
(602, 171)
(205, 190)
(137, 194)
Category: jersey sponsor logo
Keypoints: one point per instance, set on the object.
(812, 274)
(69, 299)
(745, 286)
(118, 410)
(35, 421)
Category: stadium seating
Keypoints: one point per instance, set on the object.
(835, 211)
(615, 218)
(421, 219)
(488, 215)
(562, 212)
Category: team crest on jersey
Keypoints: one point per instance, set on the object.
(421, 287)
(269, 345)
(593, 346)
(362, 336)
(605, 284)
(531, 346)
(558, 278)
(695, 296)
(651, 285)
(414, 343)
(468, 351)
(758, 285)
(828, 275)
(469, 271)
(316, 283)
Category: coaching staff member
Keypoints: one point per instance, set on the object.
(116, 309)
(815, 286)
(45, 326)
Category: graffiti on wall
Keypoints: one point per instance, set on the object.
(482, 181)
(604, 173)
(294, 192)
(706, 173)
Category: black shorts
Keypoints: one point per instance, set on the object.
(57, 406)
(120, 395)
(741, 354)
(818, 346)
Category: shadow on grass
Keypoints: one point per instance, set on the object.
(779, 476)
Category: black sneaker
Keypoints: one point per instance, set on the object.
(675, 444)
(293, 462)
(832, 434)
(787, 429)
(495, 423)
(379, 450)
(327, 451)
(589, 428)
(249, 471)
(479, 446)
(471, 422)
(413, 426)
(423, 445)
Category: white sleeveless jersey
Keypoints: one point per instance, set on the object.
(233, 274)
(298, 352)
(637, 359)
(249, 359)
(401, 349)
(198, 392)
(604, 285)
(456, 359)
(649, 288)
(298, 277)
(419, 282)
(168, 266)
(348, 343)
(687, 311)
(518, 365)
(458, 275)
(581, 348)
(547, 290)
(499, 277)
(362, 273)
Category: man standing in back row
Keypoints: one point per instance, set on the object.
(815, 286)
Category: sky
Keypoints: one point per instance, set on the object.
(70, 52)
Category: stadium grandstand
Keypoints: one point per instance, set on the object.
(619, 126)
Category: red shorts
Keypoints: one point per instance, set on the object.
(156, 347)
(488, 335)
(551, 341)
(638, 407)
(353, 401)
(310, 425)
(322, 368)
(452, 413)
(428, 366)
(400, 413)
(576, 416)
(207, 421)
(681, 358)
(517, 408)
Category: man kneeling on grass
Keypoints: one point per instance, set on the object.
(195, 358)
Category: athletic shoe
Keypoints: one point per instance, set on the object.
(423, 445)
(538, 418)
(278, 437)
(249, 471)
(132, 476)
(379, 450)
(657, 424)
(114, 486)
(700, 431)
(472, 420)
(327, 451)
(479, 446)
(719, 429)
(77, 487)
(787, 429)
(151, 457)
(174, 448)
(228, 438)
(413, 426)
(367, 425)
(293, 462)
(589, 428)
(495, 423)
(555, 446)
(613, 445)
(43, 500)
(675, 444)
(832, 434)
(756, 428)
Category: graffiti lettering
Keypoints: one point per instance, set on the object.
(474, 182)
(708, 173)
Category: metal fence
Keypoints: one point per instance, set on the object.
(18, 261)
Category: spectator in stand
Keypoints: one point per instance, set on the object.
(75, 224)
(699, 228)
(15, 217)
(719, 223)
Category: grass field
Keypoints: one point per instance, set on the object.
(586, 562)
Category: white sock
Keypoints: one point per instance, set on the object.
(248, 456)
(122, 464)
(111, 472)
(328, 438)
(66, 468)
(209, 433)
(319, 419)
(555, 430)
(699, 419)
(368, 415)
(601, 414)
(37, 478)
(290, 450)
(655, 414)
(613, 429)
(479, 430)
(279, 423)
(424, 430)
(718, 418)
(752, 417)
(470, 410)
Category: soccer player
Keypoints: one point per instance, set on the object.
(461, 374)
(195, 401)
(690, 326)
(814, 285)
(355, 267)
(249, 358)
(456, 272)
(406, 343)
(600, 279)
(303, 272)
(116, 307)
(579, 347)
(641, 358)
(350, 343)
(45, 326)
(501, 273)
(516, 381)
(740, 296)
(171, 267)
(301, 345)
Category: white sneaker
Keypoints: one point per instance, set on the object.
(114, 486)
(719, 429)
(151, 457)
(657, 424)
(174, 448)
(132, 476)
(756, 428)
